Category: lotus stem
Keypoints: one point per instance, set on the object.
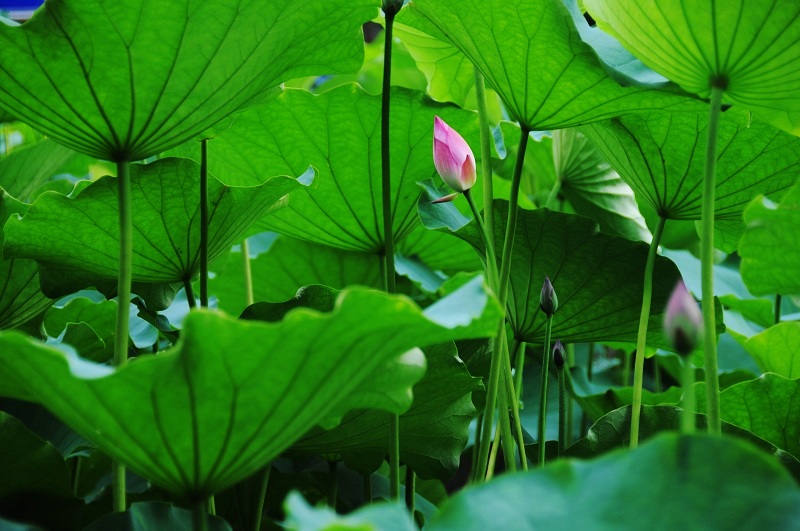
(411, 482)
(262, 496)
(641, 338)
(248, 273)
(187, 288)
(199, 516)
(687, 418)
(486, 151)
(562, 411)
(777, 309)
(204, 223)
(543, 396)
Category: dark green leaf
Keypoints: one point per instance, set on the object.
(146, 516)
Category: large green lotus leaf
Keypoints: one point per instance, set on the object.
(669, 482)
(662, 156)
(770, 248)
(433, 433)
(28, 463)
(234, 394)
(26, 169)
(89, 327)
(76, 240)
(338, 132)
(20, 297)
(590, 185)
(145, 516)
(300, 516)
(751, 46)
(288, 265)
(777, 349)
(130, 80)
(598, 278)
(440, 251)
(532, 54)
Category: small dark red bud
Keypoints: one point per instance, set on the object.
(558, 355)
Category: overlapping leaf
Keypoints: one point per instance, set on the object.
(132, 79)
(233, 394)
(670, 482)
(749, 48)
(338, 132)
(76, 240)
(777, 349)
(661, 156)
(532, 54)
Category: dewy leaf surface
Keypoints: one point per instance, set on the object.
(598, 278)
(661, 156)
(532, 54)
(770, 246)
(338, 132)
(670, 482)
(433, 433)
(76, 240)
(232, 395)
(133, 78)
(752, 46)
(777, 349)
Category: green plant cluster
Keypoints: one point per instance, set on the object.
(227, 300)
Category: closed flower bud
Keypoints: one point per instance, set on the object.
(548, 301)
(683, 322)
(558, 355)
(452, 157)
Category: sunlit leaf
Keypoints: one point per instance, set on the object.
(130, 80)
(670, 482)
(234, 394)
(749, 48)
(777, 349)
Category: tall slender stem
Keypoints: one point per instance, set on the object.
(187, 289)
(487, 474)
(543, 398)
(123, 305)
(248, 273)
(204, 223)
(262, 496)
(687, 418)
(486, 152)
(199, 516)
(777, 309)
(506, 438)
(512, 398)
(502, 290)
(518, 357)
(641, 338)
(570, 364)
(562, 411)
(212, 505)
(390, 9)
(707, 265)
(411, 483)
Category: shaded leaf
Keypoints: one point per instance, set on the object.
(770, 248)
(137, 78)
(144, 516)
(234, 394)
(100, 319)
(670, 482)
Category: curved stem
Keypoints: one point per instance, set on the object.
(502, 290)
(486, 152)
(707, 267)
(641, 338)
(562, 412)
(248, 273)
(262, 496)
(553, 195)
(204, 223)
(123, 305)
(187, 288)
(543, 398)
(687, 418)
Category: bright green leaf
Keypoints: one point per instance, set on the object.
(770, 247)
(669, 482)
(131, 80)
(777, 349)
(192, 419)
(300, 516)
(88, 327)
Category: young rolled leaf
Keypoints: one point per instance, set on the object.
(345, 209)
(232, 395)
(141, 76)
(75, 240)
(661, 157)
(769, 248)
(670, 482)
(547, 77)
(751, 47)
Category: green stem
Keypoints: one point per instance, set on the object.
(707, 266)
(777, 309)
(506, 439)
(212, 506)
(553, 195)
(513, 397)
(204, 223)
(333, 487)
(492, 456)
(562, 412)
(641, 340)
(390, 10)
(570, 364)
(410, 489)
(486, 152)
(187, 288)
(199, 516)
(500, 338)
(262, 496)
(543, 398)
(248, 273)
(76, 474)
(123, 306)
(687, 418)
(518, 355)
(488, 240)
(475, 446)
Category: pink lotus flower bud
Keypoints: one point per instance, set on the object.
(453, 158)
(548, 300)
(683, 322)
